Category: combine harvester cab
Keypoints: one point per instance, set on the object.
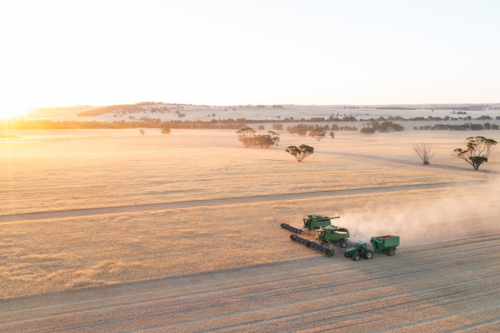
(333, 235)
(318, 221)
(385, 244)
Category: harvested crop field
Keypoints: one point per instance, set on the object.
(182, 233)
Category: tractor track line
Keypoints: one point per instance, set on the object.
(368, 311)
(468, 282)
(274, 282)
(55, 214)
(313, 311)
(467, 327)
(476, 309)
(191, 286)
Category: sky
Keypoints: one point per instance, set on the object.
(62, 53)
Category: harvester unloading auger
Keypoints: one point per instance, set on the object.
(313, 245)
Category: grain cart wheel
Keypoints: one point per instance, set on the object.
(368, 254)
(343, 244)
(356, 257)
(390, 252)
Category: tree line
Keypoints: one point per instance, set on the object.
(463, 127)
(22, 124)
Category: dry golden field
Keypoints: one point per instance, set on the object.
(111, 231)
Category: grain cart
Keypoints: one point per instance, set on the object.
(315, 246)
(360, 250)
(385, 244)
(318, 221)
(333, 235)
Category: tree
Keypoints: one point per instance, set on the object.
(384, 127)
(367, 130)
(332, 135)
(318, 133)
(477, 152)
(300, 129)
(424, 151)
(278, 127)
(261, 128)
(141, 131)
(165, 130)
(246, 132)
(301, 152)
(249, 139)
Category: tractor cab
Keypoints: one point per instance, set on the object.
(361, 246)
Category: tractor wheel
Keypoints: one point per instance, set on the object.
(390, 252)
(343, 244)
(368, 254)
(356, 257)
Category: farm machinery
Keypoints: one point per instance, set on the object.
(360, 250)
(385, 244)
(312, 222)
(313, 245)
(381, 244)
(333, 235)
(318, 221)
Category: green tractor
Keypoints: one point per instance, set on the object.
(317, 221)
(333, 235)
(360, 250)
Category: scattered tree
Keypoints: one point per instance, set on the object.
(477, 152)
(165, 130)
(300, 129)
(384, 127)
(424, 151)
(332, 135)
(261, 128)
(301, 152)
(248, 137)
(367, 130)
(142, 131)
(318, 133)
(278, 127)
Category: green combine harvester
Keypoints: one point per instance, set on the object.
(318, 221)
(311, 222)
(333, 235)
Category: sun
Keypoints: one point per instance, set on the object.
(11, 112)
